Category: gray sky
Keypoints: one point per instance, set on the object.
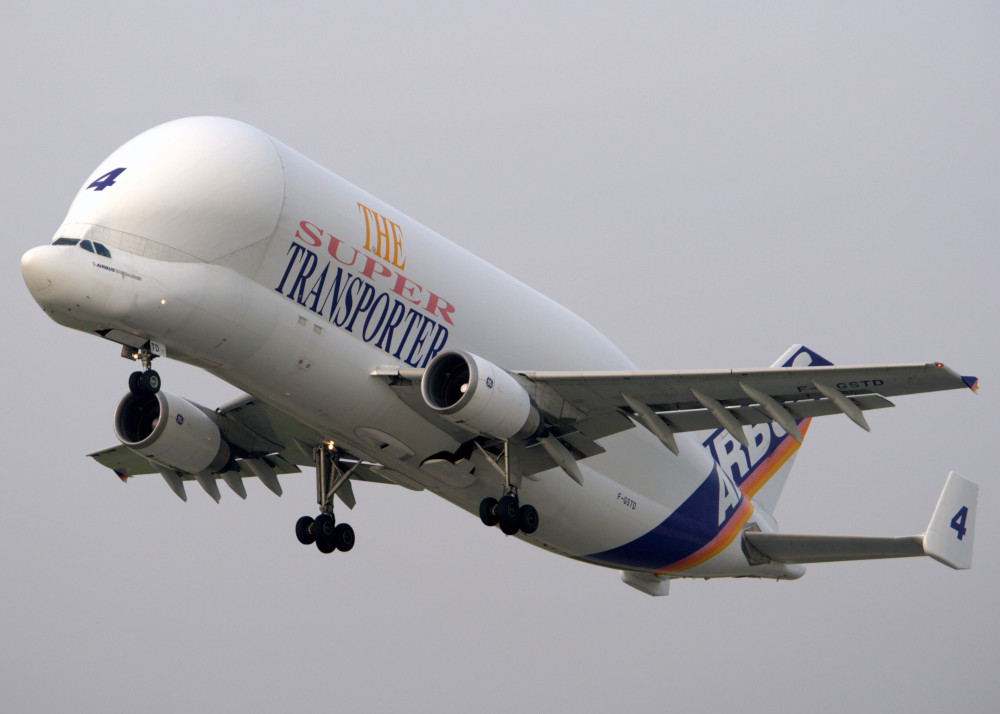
(707, 185)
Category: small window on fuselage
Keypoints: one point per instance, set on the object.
(66, 241)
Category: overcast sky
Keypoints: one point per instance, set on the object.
(707, 183)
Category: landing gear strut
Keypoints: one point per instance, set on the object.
(507, 513)
(323, 530)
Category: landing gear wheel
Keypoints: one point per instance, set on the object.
(323, 529)
(507, 509)
(133, 382)
(528, 519)
(508, 514)
(343, 537)
(324, 525)
(488, 512)
(509, 528)
(304, 530)
(149, 382)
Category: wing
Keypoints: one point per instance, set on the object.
(691, 401)
(578, 408)
(265, 443)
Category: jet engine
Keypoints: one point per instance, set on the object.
(171, 431)
(478, 395)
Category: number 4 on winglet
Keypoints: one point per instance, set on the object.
(106, 180)
(950, 533)
(958, 522)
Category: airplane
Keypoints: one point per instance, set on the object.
(374, 350)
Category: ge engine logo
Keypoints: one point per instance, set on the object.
(180, 419)
(489, 382)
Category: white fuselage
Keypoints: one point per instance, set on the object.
(243, 257)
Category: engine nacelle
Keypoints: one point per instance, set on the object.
(171, 431)
(478, 395)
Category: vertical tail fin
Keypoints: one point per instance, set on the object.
(761, 469)
(799, 356)
(950, 534)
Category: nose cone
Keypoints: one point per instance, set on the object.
(38, 271)
(74, 289)
(51, 273)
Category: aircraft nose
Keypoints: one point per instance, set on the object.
(37, 270)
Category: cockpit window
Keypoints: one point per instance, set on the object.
(91, 246)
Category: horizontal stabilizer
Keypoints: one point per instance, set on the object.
(948, 538)
(792, 548)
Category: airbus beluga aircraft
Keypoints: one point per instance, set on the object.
(373, 349)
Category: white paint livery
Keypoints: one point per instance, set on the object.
(375, 350)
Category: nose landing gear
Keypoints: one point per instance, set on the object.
(147, 381)
(323, 530)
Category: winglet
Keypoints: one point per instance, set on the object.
(972, 383)
(950, 534)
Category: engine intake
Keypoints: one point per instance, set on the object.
(476, 394)
(171, 431)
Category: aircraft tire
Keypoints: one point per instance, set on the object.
(149, 382)
(507, 514)
(133, 383)
(509, 528)
(507, 510)
(323, 530)
(324, 526)
(343, 537)
(303, 530)
(528, 519)
(488, 512)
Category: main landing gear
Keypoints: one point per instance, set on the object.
(147, 381)
(508, 513)
(323, 530)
